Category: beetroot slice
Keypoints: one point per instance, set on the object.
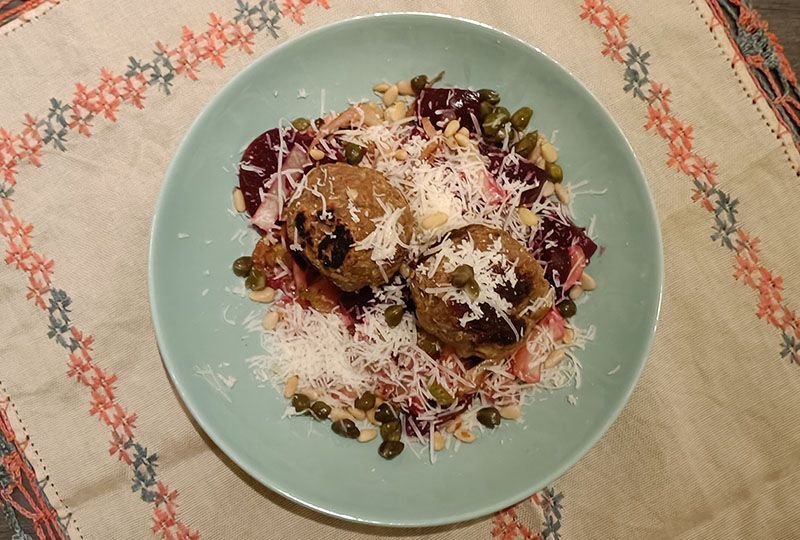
(556, 259)
(259, 162)
(523, 170)
(448, 104)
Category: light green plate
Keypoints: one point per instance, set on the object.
(304, 461)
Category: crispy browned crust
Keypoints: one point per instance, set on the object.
(327, 239)
(490, 337)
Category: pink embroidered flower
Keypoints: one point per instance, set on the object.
(656, 118)
(620, 24)
(613, 46)
(592, 9)
(701, 196)
(677, 130)
(679, 158)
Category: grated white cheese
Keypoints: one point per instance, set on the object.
(214, 380)
(384, 240)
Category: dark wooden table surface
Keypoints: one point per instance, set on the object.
(783, 17)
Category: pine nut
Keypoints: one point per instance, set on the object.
(462, 140)
(549, 152)
(337, 413)
(367, 435)
(437, 219)
(404, 87)
(451, 143)
(270, 321)
(401, 155)
(588, 283)
(575, 292)
(316, 154)
(554, 358)
(452, 128)
(510, 412)
(430, 149)
(238, 200)
(381, 87)
(548, 188)
(438, 441)
(562, 193)
(454, 425)
(290, 388)
(430, 131)
(396, 111)
(569, 336)
(371, 417)
(378, 400)
(527, 217)
(465, 435)
(405, 270)
(265, 296)
(358, 414)
(390, 96)
(464, 131)
(312, 394)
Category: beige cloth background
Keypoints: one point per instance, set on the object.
(708, 446)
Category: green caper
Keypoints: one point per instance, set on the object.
(366, 401)
(345, 428)
(440, 394)
(554, 172)
(394, 314)
(390, 449)
(526, 144)
(256, 280)
(567, 308)
(521, 117)
(489, 417)
(301, 124)
(461, 275)
(242, 266)
(496, 120)
(473, 289)
(301, 402)
(391, 431)
(485, 110)
(353, 153)
(489, 95)
(418, 83)
(320, 410)
(385, 413)
(427, 344)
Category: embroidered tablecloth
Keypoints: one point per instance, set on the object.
(94, 99)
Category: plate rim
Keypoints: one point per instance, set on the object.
(253, 472)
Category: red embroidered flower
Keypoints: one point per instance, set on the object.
(677, 130)
(656, 118)
(592, 9)
(679, 158)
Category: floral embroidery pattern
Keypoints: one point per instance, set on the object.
(760, 50)
(11, 9)
(702, 171)
(20, 492)
(101, 384)
(62, 120)
(506, 525)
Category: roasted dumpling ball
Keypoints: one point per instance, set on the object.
(480, 292)
(351, 224)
